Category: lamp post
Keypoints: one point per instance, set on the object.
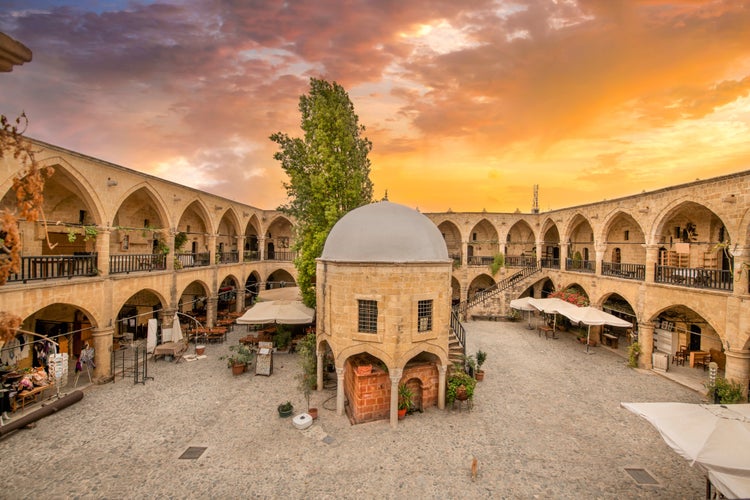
(713, 368)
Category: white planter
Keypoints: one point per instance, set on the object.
(302, 421)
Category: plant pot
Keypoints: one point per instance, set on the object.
(200, 349)
(238, 369)
(480, 375)
(401, 413)
(461, 393)
(285, 412)
(313, 412)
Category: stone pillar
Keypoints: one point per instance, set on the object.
(169, 239)
(319, 374)
(601, 250)
(741, 271)
(212, 306)
(652, 258)
(738, 367)
(564, 248)
(102, 251)
(212, 249)
(464, 253)
(166, 318)
(539, 245)
(261, 248)
(646, 341)
(339, 391)
(239, 304)
(102, 338)
(395, 375)
(241, 247)
(443, 370)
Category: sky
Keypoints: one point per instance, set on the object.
(468, 104)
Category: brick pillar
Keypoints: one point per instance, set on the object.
(395, 375)
(442, 370)
(319, 374)
(102, 338)
(646, 341)
(738, 367)
(339, 391)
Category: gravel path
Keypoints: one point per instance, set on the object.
(546, 423)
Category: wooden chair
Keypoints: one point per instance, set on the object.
(680, 356)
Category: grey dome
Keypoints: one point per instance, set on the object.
(385, 232)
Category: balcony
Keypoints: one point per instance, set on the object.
(695, 277)
(193, 259)
(45, 267)
(626, 271)
(283, 256)
(520, 261)
(580, 266)
(128, 263)
(480, 260)
(250, 255)
(227, 257)
(551, 263)
(456, 257)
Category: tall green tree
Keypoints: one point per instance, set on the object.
(329, 173)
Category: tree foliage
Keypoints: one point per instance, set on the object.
(28, 186)
(328, 170)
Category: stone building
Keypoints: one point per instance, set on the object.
(383, 309)
(131, 246)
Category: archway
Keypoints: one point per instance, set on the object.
(132, 318)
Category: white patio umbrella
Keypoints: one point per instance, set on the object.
(715, 437)
(592, 316)
(285, 312)
(523, 304)
(552, 306)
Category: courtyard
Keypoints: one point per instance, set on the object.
(546, 423)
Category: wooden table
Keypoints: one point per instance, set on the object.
(610, 340)
(696, 356)
(173, 349)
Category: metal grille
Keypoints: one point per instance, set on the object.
(368, 316)
(424, 315)
(641, 476)
(193, 452)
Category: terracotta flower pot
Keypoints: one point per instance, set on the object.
(313, 413)
(401, 413)
(461, 393)
(480, 375)
(238, 369)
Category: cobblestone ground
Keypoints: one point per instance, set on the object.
(546, 423)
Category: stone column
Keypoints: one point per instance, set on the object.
(102, 251)
(600, 251)
(738, 367)
(339, 391)
(464, 253)
(319, 374)
(239, 304)
(741, 271)
(564, 256)
(212, 306)
(166, 319)
(443, 370)
(646, 341)
(652, 258)
(169, 239)
(539, 245)
(261, 248)
(212, 249)
(102, 338)
(395, 375)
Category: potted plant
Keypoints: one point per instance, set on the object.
(460, 385)
(470, 364)
(240, 356)
(285, 409)
(481, 357)
(404, 400)
(308, 379)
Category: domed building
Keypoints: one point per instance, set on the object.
(384, 310)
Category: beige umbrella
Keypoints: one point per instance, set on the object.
(285, 312)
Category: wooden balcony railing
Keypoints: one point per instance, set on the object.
(134, 262)
(44, 267)
(695, 277)
(627, 271)
(194, 259)
(580, 266)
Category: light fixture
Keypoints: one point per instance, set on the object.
(111, 182)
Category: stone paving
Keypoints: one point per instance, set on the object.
(546, 423)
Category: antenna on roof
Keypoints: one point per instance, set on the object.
(535, 206)
(385, 198)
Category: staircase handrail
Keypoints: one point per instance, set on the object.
(496, 288)
(458, 330)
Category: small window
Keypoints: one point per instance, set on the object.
(424, 316)
(368, 316)
(473, 236)
(627, 235)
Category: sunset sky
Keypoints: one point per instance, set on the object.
(468, 104)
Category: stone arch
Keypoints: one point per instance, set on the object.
(578, 233)
(479, 283)
(520, 245)
(153, 196)
(550, 243)
(227, 292)
(681, 317)
(452, 236)
(195, 222)
(279, 238)
(455, 291)
(576, 287)
(133, 313)
(228, 235)
(682, 207)
(619, 305)
(440, 354)
(253, 236)
(279, 278)
(373, 350)
(483, 243)
(135, 211)
(193, 296)
(252, 287)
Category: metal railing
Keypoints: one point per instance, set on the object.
(227, 257)
(134, 262)
(458, 330)
(627, 271)
(695, 277)
(193, 259)
(250, 255)
(456, 259)
(520, 261)
(496, 288)
(480, 260)
(580, 266)
(551, 263)
(285, 255)
(44, 267)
